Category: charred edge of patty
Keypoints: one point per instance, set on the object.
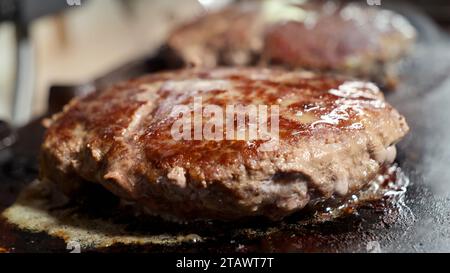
(311, 202)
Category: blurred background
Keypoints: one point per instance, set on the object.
(75, 44)
(69, 42)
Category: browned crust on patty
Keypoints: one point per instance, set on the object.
(335, 134)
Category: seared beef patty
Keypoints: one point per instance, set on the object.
(354, 39)
(335, 134)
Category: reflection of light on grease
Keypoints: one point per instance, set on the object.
(355, 96)
(334, 117)
(356, 90)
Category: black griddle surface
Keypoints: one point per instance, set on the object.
(420, 224)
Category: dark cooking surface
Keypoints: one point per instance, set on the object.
(422, 223)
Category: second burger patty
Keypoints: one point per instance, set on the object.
(335, 135)
(349, 38)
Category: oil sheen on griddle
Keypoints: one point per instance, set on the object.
(390, 185)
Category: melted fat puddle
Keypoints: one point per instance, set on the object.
(37, 210)
(33, 212)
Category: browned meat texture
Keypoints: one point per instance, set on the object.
(353, 39)
(334, 136)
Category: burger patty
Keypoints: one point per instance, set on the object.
(353, 39)
(334, 136)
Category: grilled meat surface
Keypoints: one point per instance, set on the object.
(335, 134)
(353, 39)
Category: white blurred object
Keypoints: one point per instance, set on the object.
(7, 69)
(22, 108)
(210, 5)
